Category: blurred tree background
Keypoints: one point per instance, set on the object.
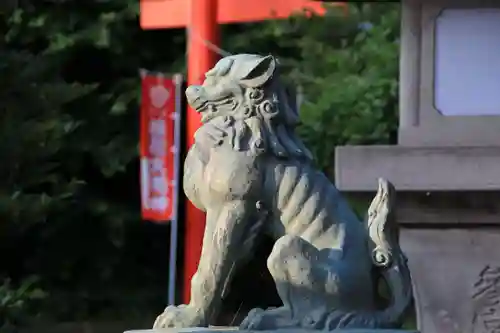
(72, 245)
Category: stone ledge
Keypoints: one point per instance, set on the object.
(235, 330)
(418, 168)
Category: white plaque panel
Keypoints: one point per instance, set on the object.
(467, 62)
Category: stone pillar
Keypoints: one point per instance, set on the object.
(409, 64)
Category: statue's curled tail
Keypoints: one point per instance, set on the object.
(391, 265)
(387, 254)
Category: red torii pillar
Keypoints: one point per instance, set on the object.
(202, 18)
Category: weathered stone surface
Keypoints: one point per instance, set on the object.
(456, 277)
(253, 176)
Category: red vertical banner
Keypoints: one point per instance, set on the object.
(158, 147)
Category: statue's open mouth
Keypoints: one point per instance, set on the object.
(201, 107)
(199, 104)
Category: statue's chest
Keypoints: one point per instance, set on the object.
(201, 176)
(193, 179)
(215, 176)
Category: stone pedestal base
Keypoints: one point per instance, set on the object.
(235, 330)
(456, 276)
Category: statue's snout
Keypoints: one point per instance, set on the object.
(195, 97)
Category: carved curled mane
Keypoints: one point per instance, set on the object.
(270, 117)
(246, 100)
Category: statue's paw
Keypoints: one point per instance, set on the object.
(252, 320)
(178, 316)
(273, 318)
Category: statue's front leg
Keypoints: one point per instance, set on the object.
(225, 231)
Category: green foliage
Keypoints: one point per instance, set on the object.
(16, 303)
(352, 95)
(34, 128)
(69, 196)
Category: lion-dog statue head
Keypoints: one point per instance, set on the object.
(243, 97)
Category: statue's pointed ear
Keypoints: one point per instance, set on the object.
(256, 73)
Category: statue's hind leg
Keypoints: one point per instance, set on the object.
(303, 280)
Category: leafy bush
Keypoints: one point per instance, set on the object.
(16, 303)
(69, 194)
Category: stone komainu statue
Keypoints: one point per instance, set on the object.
(251, 174)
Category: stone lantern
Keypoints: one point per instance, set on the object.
(446, 165)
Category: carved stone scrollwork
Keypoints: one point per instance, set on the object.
(382, 226)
